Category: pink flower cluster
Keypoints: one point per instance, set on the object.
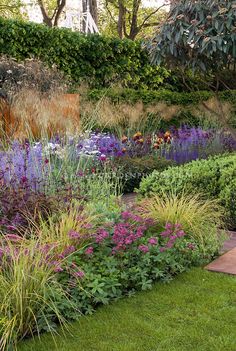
(153, 241)
(129, 231)
(101, 235)
(73, 234)
(89, 251)
(172, 232)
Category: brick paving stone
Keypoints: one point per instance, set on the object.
(225, 263)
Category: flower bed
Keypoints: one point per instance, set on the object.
(92, 266)
(66, 244)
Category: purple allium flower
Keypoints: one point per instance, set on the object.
(162, 249)
(89, 251)
(169, 245)
(173, 237)
(87, 225)
(143, 248)
(191, 246)
(166, 233)
(125, 215)
(153, 241)
(180, 233)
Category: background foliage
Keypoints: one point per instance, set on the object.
(198, 34)
(96, 59)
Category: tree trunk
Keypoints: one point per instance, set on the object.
(54, 20)
(60, 7)
(94, 10)
(134, 22)
(84, 10)
(46, 19)
(121, 16)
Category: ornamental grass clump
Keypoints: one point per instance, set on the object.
(201, 219)
(27, 290)
(68, 229)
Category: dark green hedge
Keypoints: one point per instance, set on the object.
(99, 60)
(152, 96)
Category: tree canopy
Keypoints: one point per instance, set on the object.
(129, 18)
(11, 9)
(198, 34)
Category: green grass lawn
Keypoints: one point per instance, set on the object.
(196, 311)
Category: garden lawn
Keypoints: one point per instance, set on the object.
(196, 311)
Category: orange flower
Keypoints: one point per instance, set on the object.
(124, 150)
(167, 135)
(137, 136)
(159, 140)
(156, 146)
(124, 139)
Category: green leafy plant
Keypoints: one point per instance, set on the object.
(135, 168)
(199, 34)
(151, 96)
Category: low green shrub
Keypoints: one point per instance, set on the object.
(154, 96)
(135, 168)
(214, 178)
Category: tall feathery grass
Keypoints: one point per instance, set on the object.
(32, 115)
(200, 219)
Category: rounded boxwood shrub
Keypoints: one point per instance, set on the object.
(213, 178)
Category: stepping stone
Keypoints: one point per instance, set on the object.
(225, 263)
